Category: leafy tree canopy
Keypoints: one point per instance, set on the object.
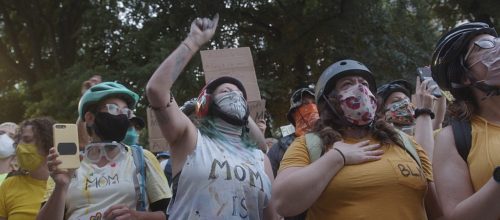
(49, 47)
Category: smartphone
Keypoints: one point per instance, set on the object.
(66, 143)
(425, 73)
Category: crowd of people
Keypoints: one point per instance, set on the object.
(358, 151)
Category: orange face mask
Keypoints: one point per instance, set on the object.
(305, 116)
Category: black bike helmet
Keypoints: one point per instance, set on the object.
(296, 101)
(452, 46)
(400, 85)
(211, 86)
(341, 69)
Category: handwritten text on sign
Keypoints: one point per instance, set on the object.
(257, 109)
(235, 62)
(156, 140)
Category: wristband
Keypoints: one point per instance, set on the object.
(341, 154)
(187, 45)
(423, 111)
(190, 45)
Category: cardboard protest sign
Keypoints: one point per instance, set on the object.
(287, 130)
(157, 142)
(257, 109)
(235, 62)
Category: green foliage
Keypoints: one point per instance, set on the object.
(12, 104)
(449, 12)
(49, 47)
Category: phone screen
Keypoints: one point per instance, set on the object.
(67, 148)
(426, 73)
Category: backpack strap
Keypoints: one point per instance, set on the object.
(140, 164)
(408, 145)
(313, 143)
(462, 131)
(167, 170)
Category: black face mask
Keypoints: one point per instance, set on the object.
(111, 127)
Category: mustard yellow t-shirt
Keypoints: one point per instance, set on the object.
(2, 177)
(20, 197)
(390, 188)
(484, 154)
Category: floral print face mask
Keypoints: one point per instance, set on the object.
(400, 112)
(358, 104)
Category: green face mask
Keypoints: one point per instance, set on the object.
(28, 157)
(132, 137)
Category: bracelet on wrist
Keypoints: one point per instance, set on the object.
(190, 45)
(423, 111)
(187, 45)
(161, 108)
(341, 154)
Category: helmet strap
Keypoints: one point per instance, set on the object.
(341, 116)
(489, 90)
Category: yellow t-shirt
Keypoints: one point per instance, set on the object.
(2, 177)
(484, 154)
(20, 197)
(390, 188)
(89, 193)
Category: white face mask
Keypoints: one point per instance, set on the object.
(6, 146)
(232, 103)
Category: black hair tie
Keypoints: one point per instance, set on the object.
(423, 111)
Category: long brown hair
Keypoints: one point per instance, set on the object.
(332, 124)
(465, 104)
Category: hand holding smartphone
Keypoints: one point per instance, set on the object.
(425, 73)
(66, 144)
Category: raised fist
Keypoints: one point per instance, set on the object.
(202, 30)
(95, 79)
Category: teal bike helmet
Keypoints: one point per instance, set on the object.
(105, 90)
